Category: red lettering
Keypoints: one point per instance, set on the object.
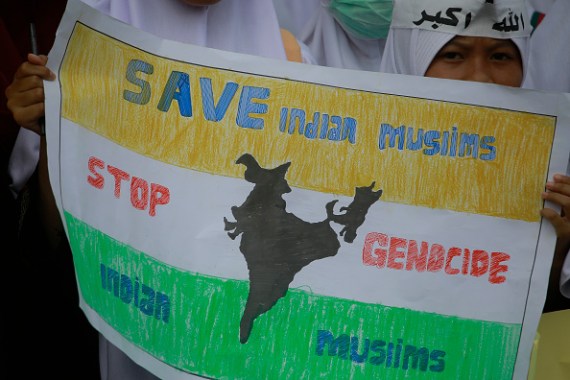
(397, 247)
(97, 181)
(465, 266)
(142, 195)
(139, 193)
(379, 258)
(399, 253)
(420, 262)
(479, 263)
(159, 195)
(119, 176)
(436, 258)
(453, 252)
(496, 267)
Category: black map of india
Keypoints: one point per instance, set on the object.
(277, 244)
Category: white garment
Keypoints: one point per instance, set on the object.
(410, 49)
(549, 60)
(541, 5)
(565, 277)
(23, 160)
(241, 26)
(332, 46)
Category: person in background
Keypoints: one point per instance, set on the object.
(242, 26)
(293, 15)
(549, 56)
(549, 70)
(42, 301)
(348, 34)
(475, 52)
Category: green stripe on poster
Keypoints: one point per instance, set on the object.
(191, 321)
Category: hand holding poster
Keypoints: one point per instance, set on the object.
(237, 217)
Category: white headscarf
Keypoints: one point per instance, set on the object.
(549, 52)
(332, 46)
(410, 47)
(242, 26)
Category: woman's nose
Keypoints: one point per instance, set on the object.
(479, 71)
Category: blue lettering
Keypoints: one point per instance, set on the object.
(147, 304)
(217, 112)
(177, 88)
(297, 118)
(386, 130)
(437, 356)
(143, 297)
(414, 145)
(430, 140)
(283, 118)
(417, 356)
(312, 128)
(485, 144)
(126, 292)
(378, 348)
(247, 106)
(469, 145)
(324, 127)
(354, 355)
(349, 130)
(142, 97)
(338, 346)
(335, 132)
(389, 354)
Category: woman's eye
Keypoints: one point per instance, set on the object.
(451, 55)
(501, 57)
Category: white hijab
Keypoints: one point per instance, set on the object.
(549, 70)
(549, 61)
(332, 46)
(241, 26)
(410, 48)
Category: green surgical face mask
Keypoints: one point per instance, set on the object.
(366, 19)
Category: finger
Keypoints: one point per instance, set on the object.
(25, 100)
(28, 69)
(561, 178)
(24, 84)
(561, 225)
(22, 104)
(558, 187)
(37, 59)
(28, 117)
(558, 198)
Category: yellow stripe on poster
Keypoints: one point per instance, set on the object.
(420, 152)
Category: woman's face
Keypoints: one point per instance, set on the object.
(478, 59)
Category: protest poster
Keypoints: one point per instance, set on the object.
(236, 217)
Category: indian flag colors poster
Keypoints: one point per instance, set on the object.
(234, 217)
